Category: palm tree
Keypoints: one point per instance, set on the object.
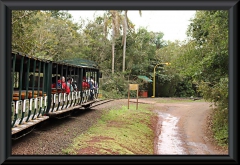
(125, 28)
(115, 22)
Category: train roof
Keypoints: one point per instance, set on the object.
(81, 62)
(78, 62)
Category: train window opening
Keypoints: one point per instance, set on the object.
(35, 77)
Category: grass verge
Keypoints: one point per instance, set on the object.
(118, 132)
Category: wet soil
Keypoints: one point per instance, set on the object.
(184, 129)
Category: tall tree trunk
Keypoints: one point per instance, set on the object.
(124, 40)
(113, 46)
(125, 36)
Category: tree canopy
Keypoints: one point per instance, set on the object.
(199, 65)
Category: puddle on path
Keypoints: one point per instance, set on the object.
(169, 142)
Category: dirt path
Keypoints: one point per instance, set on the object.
(183, 129)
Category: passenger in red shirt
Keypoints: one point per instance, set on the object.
(62, 82)
(54, 80)
(85, 84)
(64, 85)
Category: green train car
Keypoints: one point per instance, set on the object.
(40, 92)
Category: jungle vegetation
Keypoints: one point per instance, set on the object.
(199, 65)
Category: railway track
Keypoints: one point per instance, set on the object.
(100, 102)
(27, 128)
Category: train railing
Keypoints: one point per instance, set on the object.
(27, 110)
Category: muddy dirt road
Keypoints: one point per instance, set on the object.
(183, 128)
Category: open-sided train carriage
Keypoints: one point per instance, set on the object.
(36, 94)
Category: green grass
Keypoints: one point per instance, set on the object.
(121, 131)
(220, 126)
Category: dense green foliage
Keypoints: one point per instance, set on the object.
(199, 65)
(209, 31)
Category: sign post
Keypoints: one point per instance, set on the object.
(132, 87)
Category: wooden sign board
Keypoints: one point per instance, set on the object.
(132, 87)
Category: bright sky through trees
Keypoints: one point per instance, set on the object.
(173, 23)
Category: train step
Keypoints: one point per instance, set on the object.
(28, 124)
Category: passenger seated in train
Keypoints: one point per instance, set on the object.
(57, 86)
(69, 84)
(59, 82)
(54, 81)
(95, 84)
(92, 87)
(85, 84)
(74, 84)
(62, 86)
